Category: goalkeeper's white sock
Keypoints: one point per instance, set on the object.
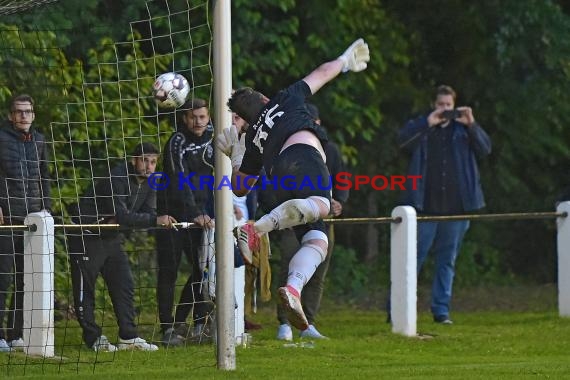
(303, 265)
(305, 262)
(293, 213)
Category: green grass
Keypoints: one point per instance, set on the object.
(480, 345)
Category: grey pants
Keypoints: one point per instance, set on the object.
(89, 257)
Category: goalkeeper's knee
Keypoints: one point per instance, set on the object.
(292, 213)
(295, 212)
(316, 240)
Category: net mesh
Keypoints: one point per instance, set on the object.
(93, 113)
(8, 7)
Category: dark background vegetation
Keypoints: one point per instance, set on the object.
(509, 60)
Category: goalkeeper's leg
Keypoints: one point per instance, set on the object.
(293, 213)
(302, 266)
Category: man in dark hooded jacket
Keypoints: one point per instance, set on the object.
(24, 189)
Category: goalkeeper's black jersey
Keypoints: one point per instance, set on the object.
(281, 117)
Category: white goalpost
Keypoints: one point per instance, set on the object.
(226, 293)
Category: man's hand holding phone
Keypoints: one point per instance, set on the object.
(463, 115)
(439, 116)
(451, 114)
(466, 117)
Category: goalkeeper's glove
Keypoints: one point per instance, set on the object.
(355, 57)
(231, 145)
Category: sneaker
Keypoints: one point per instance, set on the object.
(136, 344)
(312, 333)
(442, 319)
(102, 344)
(4, 347)
(183, 329)
(17, 344)
(199, 329)
(202, 334)
(292, 305)
(284, 332)
(171, 339)
(248, 241)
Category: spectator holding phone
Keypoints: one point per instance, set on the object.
(444, 147)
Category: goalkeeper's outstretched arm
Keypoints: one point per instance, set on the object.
(355, 58)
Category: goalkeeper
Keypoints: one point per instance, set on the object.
(284, 139)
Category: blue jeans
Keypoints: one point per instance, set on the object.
(445, 239)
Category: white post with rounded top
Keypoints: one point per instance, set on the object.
(39, 285)
(403, 273)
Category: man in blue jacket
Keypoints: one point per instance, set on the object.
(444, 147)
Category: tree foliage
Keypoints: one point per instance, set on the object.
(506, 62)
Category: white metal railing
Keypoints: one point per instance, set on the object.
(403, 266)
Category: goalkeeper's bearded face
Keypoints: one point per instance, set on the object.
(247, 103)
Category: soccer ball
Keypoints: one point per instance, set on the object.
(170, 90)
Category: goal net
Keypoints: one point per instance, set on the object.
(95, 108)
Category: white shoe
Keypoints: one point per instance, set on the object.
(136, 344)
(102, 344)
(284, 332)
(312, 333)
(17, 344)
(4, 346)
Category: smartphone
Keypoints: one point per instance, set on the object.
(451, 114)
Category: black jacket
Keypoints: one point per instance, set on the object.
(192, 157)
(119, 199)
(24, 176)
